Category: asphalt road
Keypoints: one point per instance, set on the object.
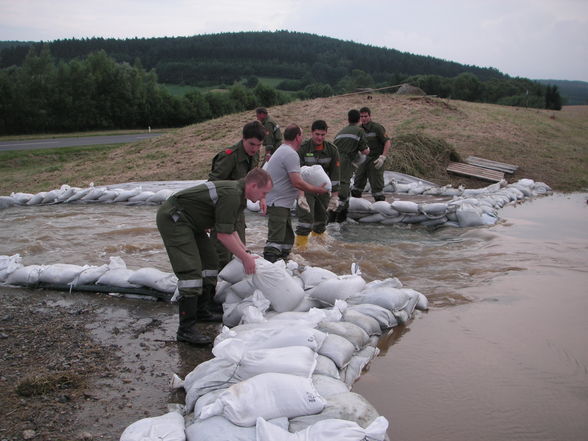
(35, 144)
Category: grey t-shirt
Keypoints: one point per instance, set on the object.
(285, 160)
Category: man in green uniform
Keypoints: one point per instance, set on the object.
(232, 164)
(350, 141)
(373, 168)
(184, 221)
(317, 151)
(273, 135)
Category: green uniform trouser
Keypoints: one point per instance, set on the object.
(280, 235)
(190, 251)
(224, 255)
(366, 171)
(316, 219)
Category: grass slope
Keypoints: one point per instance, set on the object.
(547, 146)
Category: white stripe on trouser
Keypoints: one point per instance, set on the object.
(209, 273)
(212, 191)
(191, 283)
(279, 246)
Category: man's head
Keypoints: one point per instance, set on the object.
(293, 135)
(258, 184)
(353, 116)
(253, 134)
(261, 113)
(365, 115)
(318, 131)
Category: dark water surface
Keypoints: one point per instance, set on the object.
(501, 355)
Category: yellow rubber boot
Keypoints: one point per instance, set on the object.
(320, 237)
(300, 242)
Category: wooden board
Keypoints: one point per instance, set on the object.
(474, 171)
(493, 165)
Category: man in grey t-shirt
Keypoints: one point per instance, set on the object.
(284, 168)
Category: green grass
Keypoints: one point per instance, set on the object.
(78, 134)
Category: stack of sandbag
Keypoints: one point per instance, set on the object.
(114, 275)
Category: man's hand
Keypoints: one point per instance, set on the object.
(249, 263)
(378, 163)
(303, 203)
(263, 206)
(333, 202)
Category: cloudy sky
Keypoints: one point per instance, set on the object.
(538, 39)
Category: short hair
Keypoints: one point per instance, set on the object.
(353, 116)
(261, 110)
(254, 129)
(291, 132)
(365, 110)
(258, 176)
(319, 124)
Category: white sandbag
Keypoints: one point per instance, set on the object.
(221, 291)
(233, 271)
(93, 194)
(141, 197)
(326, 366)
(385, 208)
(407, 207)
(37, 198)
(325, 430)
(393, 299)
(359, 204)
(383, 316)
(7, 202)
(270, 395)
(207, 377)
(126, 194)
(160, 196)
(67, 193)
(244, 288)
(312, 276)
(389, 282)
(9, 264)
(60, 273)
(24, 275)
(168, 427)
(316, 175)
(277, 285)
(117, 274)
(353, 370)
(233, 312)
(373, 218)
(434, 209)
(253, 206)
(423, 302)
(340, 288)
(108, 196)
(348, 406)
(393, 220)
(338, 349)
(369, 324)
(293, 360)
(155, 279)
(328, 386)
(51, 196)
(21, 198)
(205, 400)
(219, 428)
(307, 303)
(273, 335)
(353, 333)
(79, 195)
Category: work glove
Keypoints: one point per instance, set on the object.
(303, 203)
(333, 203)
(378, 163)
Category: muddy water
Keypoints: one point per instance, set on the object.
(501, 354)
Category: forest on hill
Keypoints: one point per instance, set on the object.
(97, 83)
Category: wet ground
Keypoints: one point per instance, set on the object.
(500, 355)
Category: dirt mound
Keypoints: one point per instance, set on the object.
(421, 156)
(407, 89)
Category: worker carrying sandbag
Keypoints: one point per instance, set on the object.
(184, 221)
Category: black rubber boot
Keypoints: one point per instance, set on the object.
(342, 216)
(187, 332)
(204, 312)
(379, 198)
(332, 216)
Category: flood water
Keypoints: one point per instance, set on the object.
(502, 354)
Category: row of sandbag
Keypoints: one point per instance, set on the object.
(287, 375)
(471, 208)
(115, 274)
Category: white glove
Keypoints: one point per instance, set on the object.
(333, 203)
(303, 203)
(378, 163)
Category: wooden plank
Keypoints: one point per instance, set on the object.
(474, 171)
(493, 165)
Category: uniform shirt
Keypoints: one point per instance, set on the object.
(326, 155)
(350, 141)
(273, 135)
(212, 205)
(232, 164)
(284, 161)
(376, 137)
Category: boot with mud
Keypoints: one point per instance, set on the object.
(187, 331)
(205, 312)
(300, 242)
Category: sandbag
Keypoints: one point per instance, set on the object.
(270, 395)
(90, 274)
(21, 198)
(60, 273)
(277, 285)
(369, 324)
(37, 198)
(338, 349)
(351, 372)
(316, 175)
(155, 279)
(233, 312)
(168, 427)
(219, 428)
(328, 386)
(79, 195)
(141, 197)
(9, 264)
(384, 208)
(233, 271)
(383, 316)
(125, 195)
(341, 288)
(313, 276)
(326, 366)
(408, 207)
(25, 275)
(359, 204)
